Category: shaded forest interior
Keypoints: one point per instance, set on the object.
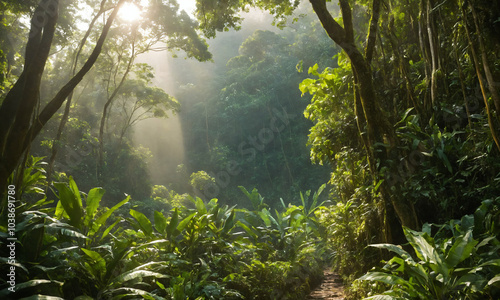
(236, 150)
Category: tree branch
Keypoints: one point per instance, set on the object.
(332, 28)
(372, 31)
(51, 108)
(347, 20)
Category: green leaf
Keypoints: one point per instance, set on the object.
(380, 297)
(41, 297)
(110, 227)
(249, 231)
(28, 284)
(160, 222)
(75, 190)
(98, 265)
(383, 277)
(143, 221)
(185, 222)
(425, 251)
(461, 249)
(102, 219)
(200, 206)
(93, 199)
(136, 274)
(399, 251)
(60, 211)
(71, 203)
(229, 222)
(495, 280)
(174, 220)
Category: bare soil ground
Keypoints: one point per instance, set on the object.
(330, 289)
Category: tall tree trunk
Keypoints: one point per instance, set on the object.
(379, 130)
(475, 60)
(433, 46)
(426, 55)
(17, 131)
(105, 110)
(484, 57)
(20, 104)
(64, 119)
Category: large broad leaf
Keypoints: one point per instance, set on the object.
(99, 264)
(63, 229)
(248, 230)
(495, 281)
(254, 197)
(380, 297)
(174, 221)
(474, 282)
(383, 277)
(425, 251)
(185, 222)
(60, 212)
(461, 249)
(75, 190)
(160, 222)
(5, 293)
(399, 251)
(124, 292)
(102, 219)
(135, 274)
(264, 215)
(143, 221)
(200, 206)
(108, 230)
(229, 222)
(93, 199)
(71, 202)
(41, 297)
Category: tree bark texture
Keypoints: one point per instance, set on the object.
(65, 117)
(20, 122)
(379, 130)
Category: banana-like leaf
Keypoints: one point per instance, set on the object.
(399, 251)
(42, 297)
(461, 249)
(380, 297)
(229, 222)
(143, 221)
(200, 206)
(249, 231)
(99, 263)
(28, 284)
(135, 274)
(71, 201)
(124, 292)
(425, 251)
(174, 221)
(383, 277)
(60, 212)
(102, 219)
(185, 222)
(264, 215)
(160, 222)
(110, 227)
(75, 190)
(93, 198)
(494, 281)
(254, 197)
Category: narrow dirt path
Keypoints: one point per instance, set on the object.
(330, 289)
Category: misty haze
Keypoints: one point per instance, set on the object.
(266, 150)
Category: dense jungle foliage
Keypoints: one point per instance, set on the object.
(237, 150)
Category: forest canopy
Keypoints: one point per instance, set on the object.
(237, 150)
